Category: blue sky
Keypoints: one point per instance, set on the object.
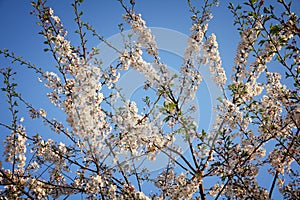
(19, 31)
(19, 34)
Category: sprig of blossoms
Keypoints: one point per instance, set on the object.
(144, 35)
(135, 60)
(15, 147)
(191, 76)
(138, 134)
(211, 52)
(177, 187)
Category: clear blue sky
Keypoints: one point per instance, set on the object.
(19, 33)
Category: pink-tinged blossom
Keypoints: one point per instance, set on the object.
(138, 132)
(177, 187)
(279, 161)
(245, 47)
(190, 74)
(144, 36)
(15, 147)
(134, 59)
(84, 112)
(211, 52)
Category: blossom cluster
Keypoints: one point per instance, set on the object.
(144, 36)
(191, 76)
(15, 147)
(177, 187)
(211, 52)
(138, 135)
(135, 60)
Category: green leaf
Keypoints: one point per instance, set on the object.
(275, 29)
(252, 2)
(266, 10)
(160, 91)
(252, 14)
(289, 4)
(33, 4)
(231, 87)
(260, 43)
(203, 133)
(166, 119)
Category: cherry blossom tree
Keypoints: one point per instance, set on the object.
(97, 150)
